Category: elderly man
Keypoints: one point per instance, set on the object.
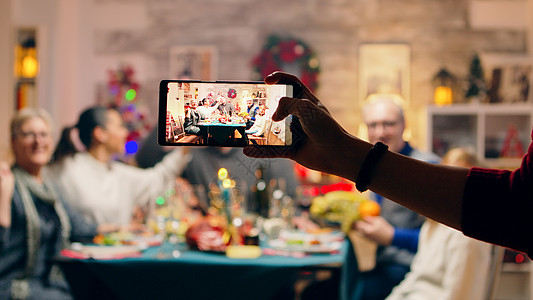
(225, 107)
(396, 230)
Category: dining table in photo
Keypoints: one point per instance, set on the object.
(217, 133)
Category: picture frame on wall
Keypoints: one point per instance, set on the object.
(509, 77)
(384, 68)
(193, 62)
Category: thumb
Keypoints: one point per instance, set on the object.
(302, 108)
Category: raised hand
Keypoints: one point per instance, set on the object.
(376, 229)
(7, 186)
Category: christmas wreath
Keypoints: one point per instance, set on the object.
(232, 93)
(279, 51)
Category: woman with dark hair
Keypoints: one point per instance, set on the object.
(35, 223)
(102, 189)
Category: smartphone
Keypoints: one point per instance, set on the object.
(223, 113)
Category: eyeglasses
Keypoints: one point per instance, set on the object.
(31, 136)
(385, 125)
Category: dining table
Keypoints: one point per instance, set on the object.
(217, 133)
(173, 271)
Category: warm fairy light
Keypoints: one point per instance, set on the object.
(226, 183)
(222, 173)
(261, 186)
(237, 222)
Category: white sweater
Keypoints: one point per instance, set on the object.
(108, 192)
(447, 266)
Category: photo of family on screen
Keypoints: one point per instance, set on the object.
(225, 114)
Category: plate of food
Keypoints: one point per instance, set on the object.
(326, 242)
(142, 239)
(84, 251)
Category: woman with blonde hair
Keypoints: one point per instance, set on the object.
(35, 223)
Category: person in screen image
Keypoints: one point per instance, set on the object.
(447, 265)
(260, 126)
(35, 222)
(225, 107)
(102, 189)
(206, 111)
(252, 110)
(192, 118)
(467, 199)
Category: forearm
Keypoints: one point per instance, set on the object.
(409, 182)
(7, 185)
(5, 209)
(432, 190)
(151, 182)
(5, 215)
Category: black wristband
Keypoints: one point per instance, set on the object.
(369, 165)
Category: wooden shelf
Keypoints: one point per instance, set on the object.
(487, 129)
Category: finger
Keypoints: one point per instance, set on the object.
(367, 219)
(286, 78)
(282, 77)
(360, 226)
(282, 109)
(302, 108)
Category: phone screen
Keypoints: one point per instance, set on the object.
(222, 114)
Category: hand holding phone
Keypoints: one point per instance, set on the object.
(317, 137)
(223, 113)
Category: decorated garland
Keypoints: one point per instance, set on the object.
(279, 51)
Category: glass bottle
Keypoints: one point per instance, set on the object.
(260, 194)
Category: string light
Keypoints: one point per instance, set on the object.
(222, 173)
(131, 147)
(160, 200)
(130, 94)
